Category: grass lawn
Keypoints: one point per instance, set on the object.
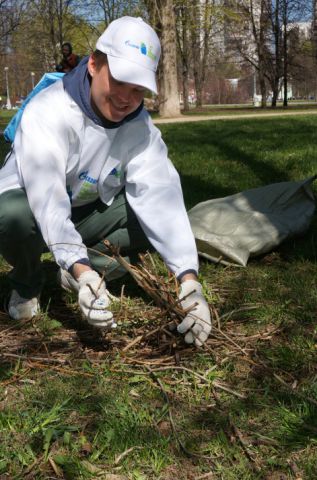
(76, 405)
(5, 117)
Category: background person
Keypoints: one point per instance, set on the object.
(69, 59)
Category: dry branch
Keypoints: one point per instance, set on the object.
(164, 294)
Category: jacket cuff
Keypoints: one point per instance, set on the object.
(179, 277)
(82, 261)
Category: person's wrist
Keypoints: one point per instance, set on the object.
(78, 269)
(188, 276)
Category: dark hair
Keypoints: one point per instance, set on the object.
(69, 45)
(100, 58)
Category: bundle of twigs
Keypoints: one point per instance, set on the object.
(163, 292)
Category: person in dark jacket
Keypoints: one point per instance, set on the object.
(69, 61)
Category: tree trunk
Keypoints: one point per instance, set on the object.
(262, 89)
(183, 48)
(195, 39)
(185, 91)
(275, 89)
(314, 27)
(285, 55)
(169, 95)
(52, 33)
(276, 73)
(261, 52)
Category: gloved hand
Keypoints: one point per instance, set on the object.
(197, 323)
(94, 300)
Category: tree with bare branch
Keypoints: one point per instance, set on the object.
(11, 13)
(56, 16)
(271, 24)
(104, 12)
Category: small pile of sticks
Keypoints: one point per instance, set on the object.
(164, 293)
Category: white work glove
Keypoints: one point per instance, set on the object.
(197, 323)
(94, 307)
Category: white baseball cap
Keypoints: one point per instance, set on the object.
(133, 50)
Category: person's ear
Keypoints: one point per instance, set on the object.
(92, 66)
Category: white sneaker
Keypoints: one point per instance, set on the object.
(23, 308)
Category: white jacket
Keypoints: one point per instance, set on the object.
(63, 159)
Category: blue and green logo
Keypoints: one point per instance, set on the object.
(147, 51)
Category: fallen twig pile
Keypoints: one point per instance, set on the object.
(164, 293)
(146, 333)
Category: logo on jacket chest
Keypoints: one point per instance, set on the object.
(84, 176)
(87, 190)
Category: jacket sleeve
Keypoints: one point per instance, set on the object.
(154, 192)
(42, 146)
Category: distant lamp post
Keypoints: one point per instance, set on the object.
(32, 78)
(9, 106)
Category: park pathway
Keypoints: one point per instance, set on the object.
(234, 116)
(229, 116)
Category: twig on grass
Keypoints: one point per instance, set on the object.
(15, 379)
(238, 435)
(133, 343)
(244, 446)
(57, 470)
(125, 453)
(171, 419)
(204, 476)
(29, 469)
(230, 340)
(247, 308)
(262, 364)
(214, 383)
(40, 359)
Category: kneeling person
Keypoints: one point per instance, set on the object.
(87, 164)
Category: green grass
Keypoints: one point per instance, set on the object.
(219, 158)
(5, 117)
(76, 407)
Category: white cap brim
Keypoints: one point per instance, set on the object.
(126, 71)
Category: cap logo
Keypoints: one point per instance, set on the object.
(143, 49)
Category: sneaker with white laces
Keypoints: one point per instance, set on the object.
(22, 308)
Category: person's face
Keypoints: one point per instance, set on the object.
(65, 51)
(110, 98)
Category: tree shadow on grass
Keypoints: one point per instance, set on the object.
(279, 429)
(224, 152)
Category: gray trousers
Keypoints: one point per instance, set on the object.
(22, 244)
